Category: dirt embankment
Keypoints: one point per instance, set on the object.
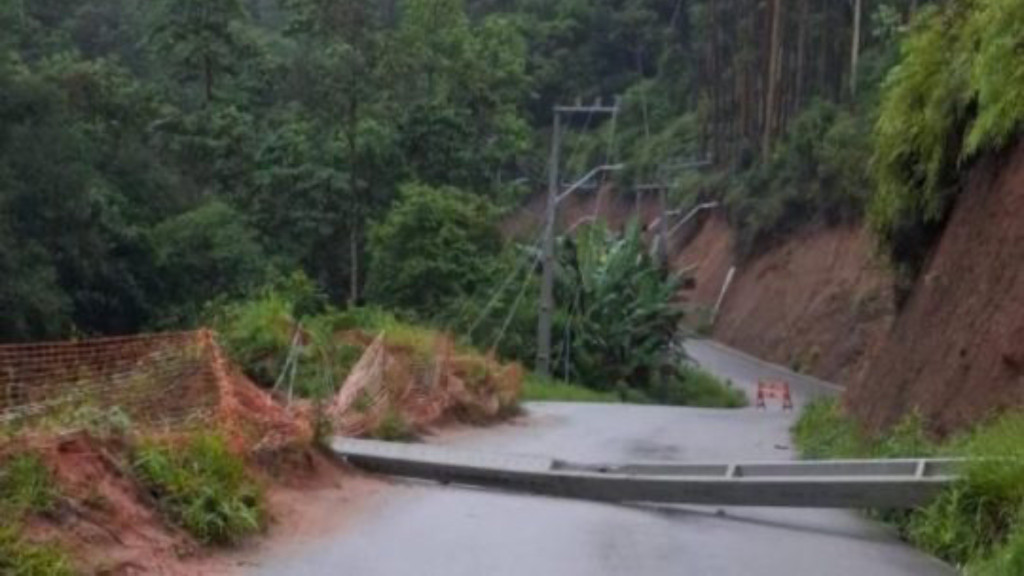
(956, 351)
(815, 303)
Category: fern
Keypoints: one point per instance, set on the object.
(957, 91)
(998, 74)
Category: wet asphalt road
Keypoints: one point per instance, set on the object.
(423, 529)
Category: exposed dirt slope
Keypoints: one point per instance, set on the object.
(815, 303)
(708, 257)
(956, 352)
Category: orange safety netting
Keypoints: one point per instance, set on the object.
(164, 381)
(173, 381)
(422, 388)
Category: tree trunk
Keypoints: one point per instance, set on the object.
(774, 60)
(353, 179)
(855, 48)
(208, 77)
(801, 53)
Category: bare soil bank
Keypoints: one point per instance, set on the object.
(956, 351)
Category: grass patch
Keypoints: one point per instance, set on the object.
(978, 523)
(393, 427)
(26, 486)
(694, 386)
(691, 386)
(21, 558)
(203, 487)
(540, 389)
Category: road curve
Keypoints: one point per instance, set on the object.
(424, 529)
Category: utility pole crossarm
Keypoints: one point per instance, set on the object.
(590, 175)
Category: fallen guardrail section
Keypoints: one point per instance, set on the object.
(808, 484)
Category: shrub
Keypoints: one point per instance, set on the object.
(203, 487)
(435, 246)
(258, 334)
(203, 255)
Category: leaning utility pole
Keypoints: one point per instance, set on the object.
(547, 286)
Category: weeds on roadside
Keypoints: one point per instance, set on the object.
(693, 386)
(538, 388)
(978, 523)
(203, 487)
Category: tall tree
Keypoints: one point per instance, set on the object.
(198, 38)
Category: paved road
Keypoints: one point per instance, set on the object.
(426, 530)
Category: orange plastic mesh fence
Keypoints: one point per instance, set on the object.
(158, 380)
(422, 388)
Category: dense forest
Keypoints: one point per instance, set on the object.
(160, 157)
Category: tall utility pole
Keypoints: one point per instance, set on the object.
(547, 283)
(547, 286)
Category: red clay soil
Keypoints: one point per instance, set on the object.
(956, 352)
(109, 524)
(816, 303)
(105, 521)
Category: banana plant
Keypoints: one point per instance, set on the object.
(623, 318)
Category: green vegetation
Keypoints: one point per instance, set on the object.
(21, 558)
(393, 427)
(156, 155)
(979, 522)
(203, 487)
(540, 389)
(615, 325)
(957, 92)
(259, 332)
(435, 247)
(691, 387)
(26, 488)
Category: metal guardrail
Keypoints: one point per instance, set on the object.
(811, 484)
